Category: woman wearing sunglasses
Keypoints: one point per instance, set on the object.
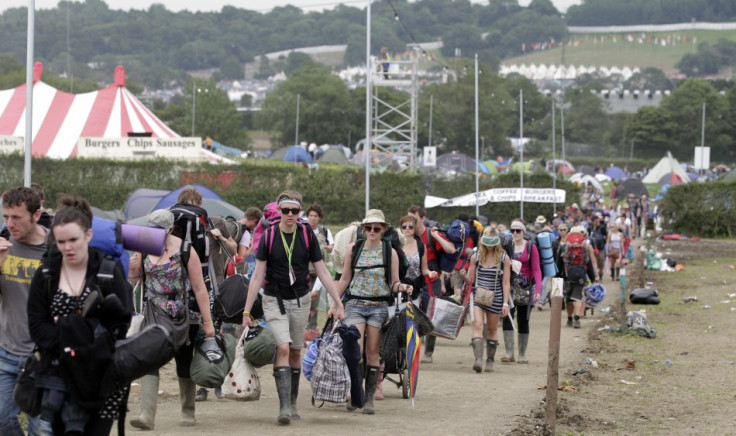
(368, 293)
(415, 252)
(490, 269)
(530, 276)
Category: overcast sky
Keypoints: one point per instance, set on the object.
(216, 5)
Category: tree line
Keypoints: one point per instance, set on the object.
(86, 40)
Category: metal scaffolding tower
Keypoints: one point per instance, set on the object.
(394, 125)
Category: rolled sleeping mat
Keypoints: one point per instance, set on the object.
(549, 267)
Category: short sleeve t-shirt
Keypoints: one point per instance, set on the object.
(246, 239)
(277, 281)
(16, 273)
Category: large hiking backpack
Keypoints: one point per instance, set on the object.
(235, 228)
(389, 240)
(457, 232)
(576, 258)
(270, 216)
(190, 224)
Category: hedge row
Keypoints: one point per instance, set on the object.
(340, 190)
(701, 209)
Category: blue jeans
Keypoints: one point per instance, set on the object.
(359, 313)
(10, 365)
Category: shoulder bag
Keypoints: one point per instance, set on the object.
(242, 382)
(485, 296)
(179, 328)
(26, 395)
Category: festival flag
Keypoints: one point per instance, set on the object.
(413, 347)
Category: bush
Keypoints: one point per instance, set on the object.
(701, 209)
(339, 189)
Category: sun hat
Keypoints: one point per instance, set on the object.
(541, 220)
(374, 216)
(575, 206)
(161, 218)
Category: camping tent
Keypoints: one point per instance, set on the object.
(631, 186)
(461, 163)
(616, 173)
(170, 198)
(669, 179)
(667, 164)
(213, 206)
(142, 201)
(587, 170)
(334, 156)
(585, 179)
(293, 153)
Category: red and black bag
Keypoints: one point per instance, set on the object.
(576, 258)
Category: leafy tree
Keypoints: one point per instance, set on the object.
(232, 69)
(585, 118)
(295, 60)
(214, 114)
(323, 110)
(649, 78)
(652, 131)
(685, 105)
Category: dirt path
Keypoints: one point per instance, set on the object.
(450, 396)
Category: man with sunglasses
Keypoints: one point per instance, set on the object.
(434, 282)
(282, 260)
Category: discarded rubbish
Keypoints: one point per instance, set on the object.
(637, 322)
(731, 295)
(606, 309)
(626, 382)
(588, 360)
(594, 364)
(580, 371)
(690, 299)
(668, 363)
(705, 306)
(644, 296)
(630, 365)
(725, 301)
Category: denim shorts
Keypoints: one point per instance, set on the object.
(359, 312)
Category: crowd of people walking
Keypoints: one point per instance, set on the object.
(49, 273)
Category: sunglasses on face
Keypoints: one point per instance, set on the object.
(517, 231)
(292, 210)
(407, 226)
(562, 230)
(371, 229)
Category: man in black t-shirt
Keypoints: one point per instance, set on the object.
(282, 260)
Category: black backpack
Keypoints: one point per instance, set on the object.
(389, 240)
(190, 224)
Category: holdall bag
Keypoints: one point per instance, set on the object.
(310, 356)
(142, 353)
(447, 317)
(242, 382)
(206, 372)
(230, 298)
(644, 296)
(26, 395)
(330, 375)
(259, 346)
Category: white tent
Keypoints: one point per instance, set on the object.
(666, 165)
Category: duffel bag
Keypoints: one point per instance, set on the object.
(259, 346)
(210, 369)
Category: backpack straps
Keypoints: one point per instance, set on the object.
(106, 275)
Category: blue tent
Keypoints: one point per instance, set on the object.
(297, 154)
(616, 173)
(662, 191)
(170, 198)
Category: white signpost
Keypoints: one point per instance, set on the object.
(702, 158)
(430, 156)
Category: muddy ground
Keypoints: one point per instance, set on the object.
(681, 381)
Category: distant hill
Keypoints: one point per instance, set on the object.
(615, 49)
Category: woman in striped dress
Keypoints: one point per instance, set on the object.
(490, 268)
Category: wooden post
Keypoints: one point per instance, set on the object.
(553, 362)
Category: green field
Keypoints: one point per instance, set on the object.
(622, 54)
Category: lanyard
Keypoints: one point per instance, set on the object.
(290, 248)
